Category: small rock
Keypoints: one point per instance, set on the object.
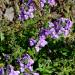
(9, 13)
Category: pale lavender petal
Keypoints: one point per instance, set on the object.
(51, 2)
(66, 32)
(50, 24)
(25, 17)
(31, 9)
(43, 43)
(32, 42)
(16, 73)
(42, 4)
(30, 61)
(30, 68)
(31, 15)
(42, 37)
(37, 48)
(35, 73)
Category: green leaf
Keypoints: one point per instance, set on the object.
(1, 36)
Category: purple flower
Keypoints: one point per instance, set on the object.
(42, 37)
(42, 2)
(41, 43)
(44, 32)
(30, 61)
(1, 71)
(53, 33)
(26, 56)
(52, 30)
(59, 27)
(55, 36)
(16, 72)
(29, 2)
(22, 15)
(68, 24)
(27, 60)
(37, 48)
(26, 64)
(22, 67)
(30, 68)
(31, 9)
(12, 72)
(31, 15)
(66, 32)
(32, 42)
(51, 24)
(51, 2)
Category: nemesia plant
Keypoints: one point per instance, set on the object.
(61, 26)
(40, 38)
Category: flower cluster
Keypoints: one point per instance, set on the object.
(26, 65)
(42, 2)
(60, 27)
(41, 43)
(57, 28)
(10, 70)
(38, 45)
(24, 15)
